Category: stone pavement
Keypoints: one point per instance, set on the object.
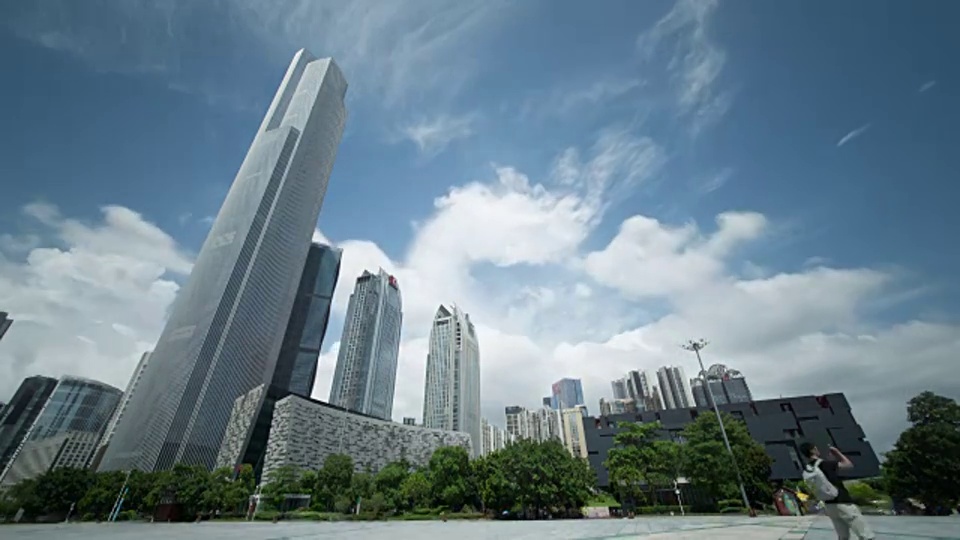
(652, 528)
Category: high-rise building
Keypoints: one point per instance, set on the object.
(409, 421)
(619, 387)
(548, 401)
(517, 422)
(20, 414)
(674, 388)
(727, 386)
(452, 387)
(227, 325)
(573, 432)
(541, 425)
(5, 322)
(297, 363)
(567, 393)
(121, 409)
(76, 406)
(366, 373)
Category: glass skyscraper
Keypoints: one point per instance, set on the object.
(366, 373)
(674, 388)
(726, 385)
(451, 397)
(19, 415)
(228, 322)
(567, 394)
(297, 363)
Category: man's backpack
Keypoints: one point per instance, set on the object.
(818, 482)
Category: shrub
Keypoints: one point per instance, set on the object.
(727, 503)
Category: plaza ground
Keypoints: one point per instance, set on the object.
(653, 528)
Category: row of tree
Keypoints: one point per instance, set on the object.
(642, 464)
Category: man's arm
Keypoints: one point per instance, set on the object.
(842, 461)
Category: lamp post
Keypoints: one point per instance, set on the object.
(696, 347)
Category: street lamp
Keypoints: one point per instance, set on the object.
(696, 347)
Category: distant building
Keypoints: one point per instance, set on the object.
(780, 425)
(674, 388)
(494, 438)
(547, 401)
(567, 393)
(5, 322)
(78, 407)
(518, 422)
(71, 449)
(121, 408)
(409, 421)
(574, 435)
(619, 387)
(20, 414)
(727, 386)
(617, 406)
(536, 425)
(451, 394)
(305, 432)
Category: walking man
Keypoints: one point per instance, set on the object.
(823, 477)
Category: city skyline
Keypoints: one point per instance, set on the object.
(227, 324)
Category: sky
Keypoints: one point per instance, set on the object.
(594, 185)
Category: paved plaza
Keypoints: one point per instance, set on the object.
(654, 528)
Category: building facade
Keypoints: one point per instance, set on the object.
(76, 406)
(409, 421)
(619, 387)
(518, 423)
(366, 372)
(305, 432)
(452, 384)
(20, 414)
(5, 323)
(303, 338)
(724, 384)
(227, 323)
(72, 449)
(566, 394)
(574, 434)
(121, 408)
(617, 406)
(780, 425)
(674, 388)
(494, 437)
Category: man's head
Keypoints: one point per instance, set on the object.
(809, 451)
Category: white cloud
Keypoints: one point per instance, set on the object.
(851, 135)
(926, 86)
(434, 135)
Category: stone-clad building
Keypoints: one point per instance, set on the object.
(305, 431)
(780, 425)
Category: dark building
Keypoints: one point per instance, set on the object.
(780, 425)
(5, 322)
(297, 363)
(20, 414)
(548, 402)
(727, 385)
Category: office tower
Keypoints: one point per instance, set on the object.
(121, 409)
(366, 372)
(618, 406)
(517, 423)
(297, 363)
(547, 401)
(452, 387)
(547, 425)
(619, 387)
(674, 388)
(5, 322)
(21, 412)
(77, 408)
(573, 432)
(409, 421)
(727, 386)
(567, 393)
(226, 327)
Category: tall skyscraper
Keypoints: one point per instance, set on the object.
(5, 322)
(297, 364)
(76, 406)
(452, 388)
(366, 372)
(20, 414)
(619, 387)
(674, 388)
(121, 409)
(573, 431)
(226, 327)
(727, 386)
(567, 394)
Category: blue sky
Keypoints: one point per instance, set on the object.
(558, 171)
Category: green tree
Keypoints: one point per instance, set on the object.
(60, 488)
(284, 480)
(416, 490)
(24, 495)
(333, 479)
(923, 463)
(707, 462)
(361, 486)
(633, 463)
(238, 492)
(389, 482)
(450, 476)
(188, 484)
(862, 493)
(100, 498)
(377, 504)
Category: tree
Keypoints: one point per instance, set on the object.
(333, 479)
(450, 476)
(389, 481)
(57, 490)
(283, 481)
(187, 483)
(633, 463)
(416, 490)
(923, 463)
(101, 497)
(862, 493)
(238, 493)
(707, 462)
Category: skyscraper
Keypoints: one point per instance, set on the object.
(19, 415)
(5, 322)
(567, 394)
(366, 372)
(226, 327)
(452, 388)
(121, 409)
(297, 364)
(727, 385)
(79, 408)
(619, 387)
(674, 388)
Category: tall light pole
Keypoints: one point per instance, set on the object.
(696, 347)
